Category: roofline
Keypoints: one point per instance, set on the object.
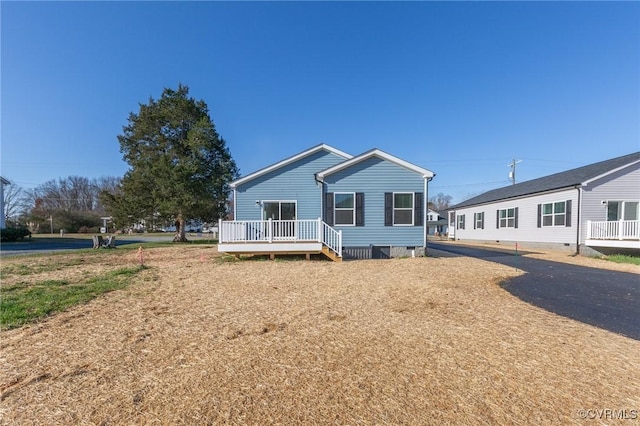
(549, 190)
(290, 160)
(374, 153)
(588, 181)
(4, 181)
(515, 197)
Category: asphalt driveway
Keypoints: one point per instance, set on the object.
(603, 298)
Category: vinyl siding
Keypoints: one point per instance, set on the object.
(527, 230)
(374, 177)
(293, 182)
(623, 185)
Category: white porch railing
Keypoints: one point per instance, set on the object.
(254, 231)
(613, 230)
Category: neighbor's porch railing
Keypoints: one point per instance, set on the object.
(613, 230)
(252, 231)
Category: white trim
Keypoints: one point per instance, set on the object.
(375, 153)
(425, 210)
(235, 206)
(353, 222)
(413, 209)
(269, 247)
(506, 218)
(553, 214)
(613, 243)
(290, 160)
(587, 182)
(294, 202)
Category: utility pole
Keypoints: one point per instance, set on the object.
(512, 173)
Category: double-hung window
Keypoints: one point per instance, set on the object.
(460, 221)
(557, 213)
(507, 218)
(478, 220)
(554, 214)
(403, 208)
(344, 208)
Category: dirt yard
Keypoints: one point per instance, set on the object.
(198, 340)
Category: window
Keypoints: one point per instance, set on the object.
(403, 208)
(478, 220)
(557, 213)
(460, 221)
(554, 214)
(507, 218)
(622, 210)
(344, 208)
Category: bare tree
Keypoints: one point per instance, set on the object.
(440, 201)
(16, 203)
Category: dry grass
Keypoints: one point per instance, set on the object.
(406, 341)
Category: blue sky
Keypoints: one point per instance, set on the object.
(459, 88)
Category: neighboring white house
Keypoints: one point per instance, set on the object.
(3, 182)
(591, 208)
(436, 222)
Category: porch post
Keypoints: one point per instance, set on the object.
(270, 230)
(340, 243)
(620, 229)
(220, 230)
(588, 230)
(319, 230)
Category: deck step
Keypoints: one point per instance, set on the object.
(331, 254)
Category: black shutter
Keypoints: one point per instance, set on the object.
(388, 209)
(482, 227)
(567, 221)
(328, 208)
(497, 219)
(417, 209)
(464, 221)
(359, 208)
(539, 215)
(515, 217)
(474, 220)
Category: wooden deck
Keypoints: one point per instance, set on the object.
(280, 249)
(280, 237)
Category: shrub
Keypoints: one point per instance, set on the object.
(14, 234)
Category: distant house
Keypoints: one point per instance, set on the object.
(323, 200)
(3, 182)
(437, 223)
(588, 209)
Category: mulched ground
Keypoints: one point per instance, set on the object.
(199, 340)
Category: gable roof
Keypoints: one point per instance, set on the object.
(288, 161)
(574, 177)
(374, 153)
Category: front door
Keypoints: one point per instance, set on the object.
(285, 213)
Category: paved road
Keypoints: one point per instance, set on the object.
(70, 243)
(606, 299)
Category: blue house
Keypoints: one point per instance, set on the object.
(323, 200)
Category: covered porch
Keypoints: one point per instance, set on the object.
(618, 234)
(280, 237)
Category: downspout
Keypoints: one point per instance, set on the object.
(315, 177)
(235, 207)
(579, 188)
(425, 210)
